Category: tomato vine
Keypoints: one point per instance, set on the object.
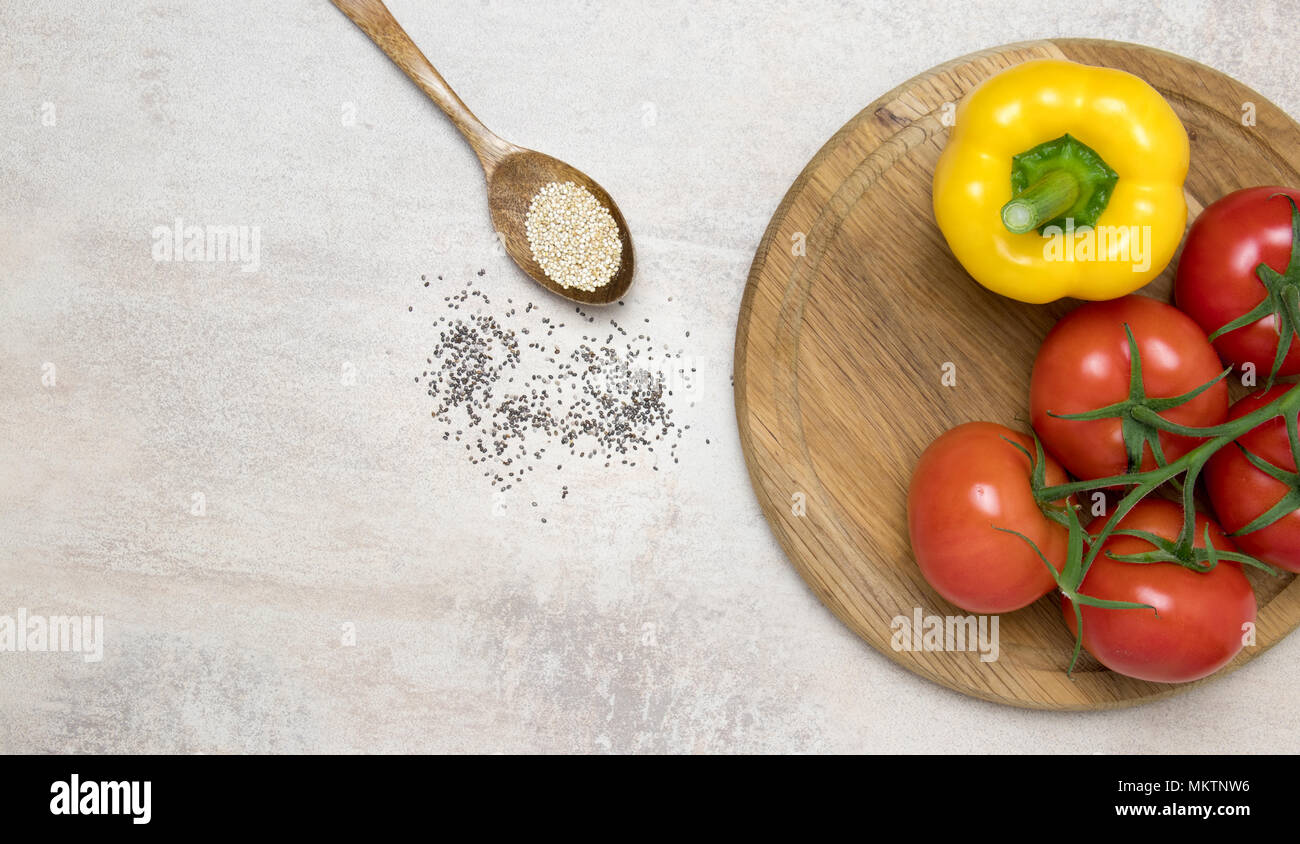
(1142, 420)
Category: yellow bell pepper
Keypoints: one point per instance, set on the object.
(1062, 179)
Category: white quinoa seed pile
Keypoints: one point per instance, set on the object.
(573, 237)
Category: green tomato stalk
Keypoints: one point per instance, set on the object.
(1141, 420)
(1281, 301)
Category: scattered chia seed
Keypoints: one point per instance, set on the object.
(512, 398)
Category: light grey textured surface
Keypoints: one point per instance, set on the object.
(654, 611)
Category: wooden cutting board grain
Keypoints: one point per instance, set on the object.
(853, 307)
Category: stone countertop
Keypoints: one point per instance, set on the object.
(236, 471)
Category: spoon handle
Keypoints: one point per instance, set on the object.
(374, 19)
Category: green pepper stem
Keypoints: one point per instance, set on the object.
(1043, 201)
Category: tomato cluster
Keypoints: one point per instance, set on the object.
(1130, 397)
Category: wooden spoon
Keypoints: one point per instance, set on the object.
(514, 174)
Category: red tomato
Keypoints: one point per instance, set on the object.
(967, 483)
(1216, 280)
(1084, 365)
(1240, 492)
(1200, 618)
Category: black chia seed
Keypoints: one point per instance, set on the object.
(513, 398)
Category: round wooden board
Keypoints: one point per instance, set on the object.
(840, 345)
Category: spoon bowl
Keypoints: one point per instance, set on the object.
(514, 174)
(513, 181)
